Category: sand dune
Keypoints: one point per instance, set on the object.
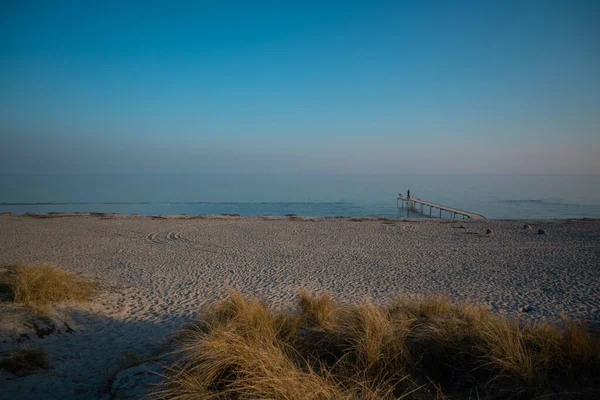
(158, 272)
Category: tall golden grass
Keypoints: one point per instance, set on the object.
(44, 284)
(422, 349)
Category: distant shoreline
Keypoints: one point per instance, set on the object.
(107, 215)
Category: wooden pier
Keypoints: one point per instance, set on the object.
(416, 204)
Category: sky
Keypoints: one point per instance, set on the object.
(373, 87)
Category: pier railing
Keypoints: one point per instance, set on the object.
(418, 205)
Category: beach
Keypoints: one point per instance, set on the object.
(156, 273)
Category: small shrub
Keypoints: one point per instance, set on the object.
(24, 361)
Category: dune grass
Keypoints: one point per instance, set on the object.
(418, 349)
(24, 361)
(39, 285)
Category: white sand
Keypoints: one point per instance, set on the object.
(158, 272)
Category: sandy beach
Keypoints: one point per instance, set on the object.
(157, 272)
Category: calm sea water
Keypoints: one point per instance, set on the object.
(512, 197)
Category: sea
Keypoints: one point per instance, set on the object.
(493, 196)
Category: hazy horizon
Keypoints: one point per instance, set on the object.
(267, 87)
(494, 196)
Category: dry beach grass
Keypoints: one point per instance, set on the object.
(418, 349)
(29, 293)
(43, 284)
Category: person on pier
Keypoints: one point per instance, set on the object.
(408, 194)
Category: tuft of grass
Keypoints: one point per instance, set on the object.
(39, 285)
(240, 351)
(373, 336)
(422, 349)
(320, 311)
(24, 361)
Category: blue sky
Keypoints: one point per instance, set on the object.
(300, 87)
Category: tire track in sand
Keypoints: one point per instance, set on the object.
(154, 238)
(175, 236)
(164, 238)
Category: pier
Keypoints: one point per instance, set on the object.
(416, 204)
